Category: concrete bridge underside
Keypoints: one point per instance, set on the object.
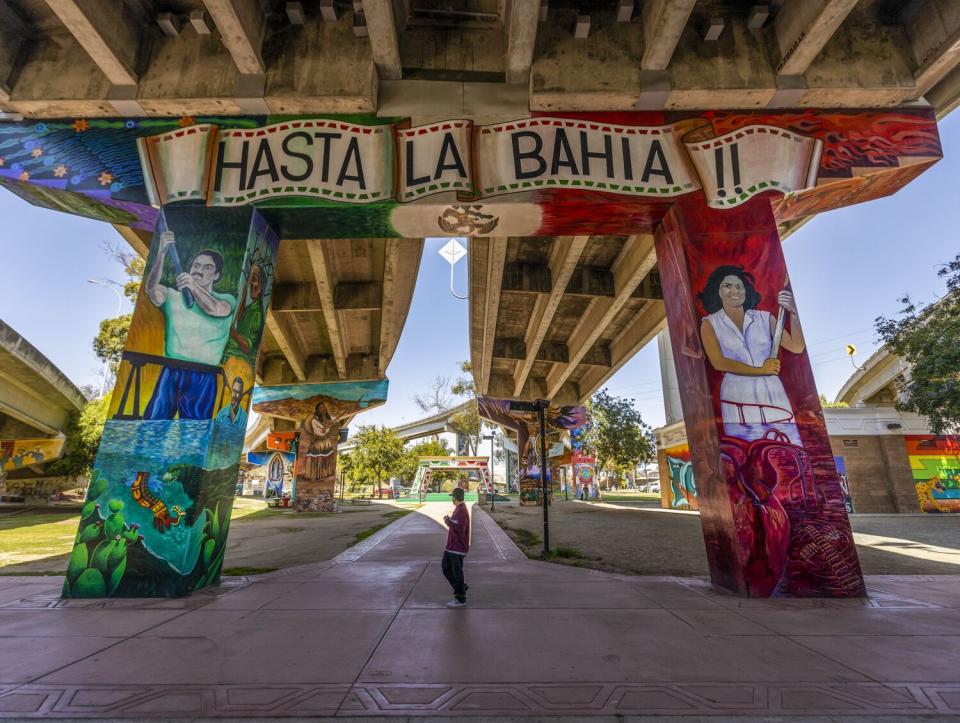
(550, 317)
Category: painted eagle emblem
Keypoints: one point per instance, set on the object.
(467, 221)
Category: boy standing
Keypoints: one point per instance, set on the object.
(458, 544)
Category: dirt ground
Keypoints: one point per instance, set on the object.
(271, 539)
(39, 541)
(641, 538)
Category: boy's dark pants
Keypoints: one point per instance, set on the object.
(453, 570)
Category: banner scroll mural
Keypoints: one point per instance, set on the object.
(353, 163)
(539, 176)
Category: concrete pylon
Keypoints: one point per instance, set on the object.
(771, 505)
(668, 379)
(321, 412)
(158, 507)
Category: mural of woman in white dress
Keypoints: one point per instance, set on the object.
(738, 339)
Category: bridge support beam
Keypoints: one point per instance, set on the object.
(771, 506)
(159, 501)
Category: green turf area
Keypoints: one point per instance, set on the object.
(29, 535)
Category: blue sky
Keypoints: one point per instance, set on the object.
(847, 267)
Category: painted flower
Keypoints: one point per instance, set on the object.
(80, 125)
(36, 152)
(105, 178)
(24, 176)
(185, 121)
(60, 171)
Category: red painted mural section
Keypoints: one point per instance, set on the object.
(771, 503)
(893, 147)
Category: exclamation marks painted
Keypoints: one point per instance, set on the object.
(734, 169)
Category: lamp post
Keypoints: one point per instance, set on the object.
(493, 487)
(542, 405)
(112, 285)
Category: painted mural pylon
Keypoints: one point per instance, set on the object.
(321, 412)
(158, 506)
(771, 504)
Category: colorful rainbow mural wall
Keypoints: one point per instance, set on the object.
(935, 463)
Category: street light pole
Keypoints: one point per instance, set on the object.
(112, 285)
(541, 414)
(493, 487)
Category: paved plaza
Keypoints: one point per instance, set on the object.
(368, 634)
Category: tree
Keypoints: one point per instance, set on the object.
(109, 342)
(437, 399)
(82, 440)
(832, 405)
(618, 434)
(345, 466)
(467, 421)
(927, 338)
(378, 454)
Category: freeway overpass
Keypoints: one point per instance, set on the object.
(36, 403)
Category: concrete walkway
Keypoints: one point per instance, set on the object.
(368, 634)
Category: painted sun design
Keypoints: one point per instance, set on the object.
(80, 125)
(185, 121)
(36, 152)
(2, 161)
(24, 176)
(60, 171)
(105, 178)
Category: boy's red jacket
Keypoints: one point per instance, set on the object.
(458, 534)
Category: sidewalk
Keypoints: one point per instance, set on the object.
(368, 634)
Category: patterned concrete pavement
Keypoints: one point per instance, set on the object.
(368, 634)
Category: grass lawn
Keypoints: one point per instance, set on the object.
(628, 496)
(30, 535)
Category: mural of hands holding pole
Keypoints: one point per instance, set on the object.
(168, 247)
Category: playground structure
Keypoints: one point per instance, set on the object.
(427, 466)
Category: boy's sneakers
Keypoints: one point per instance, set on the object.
(456, 603)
